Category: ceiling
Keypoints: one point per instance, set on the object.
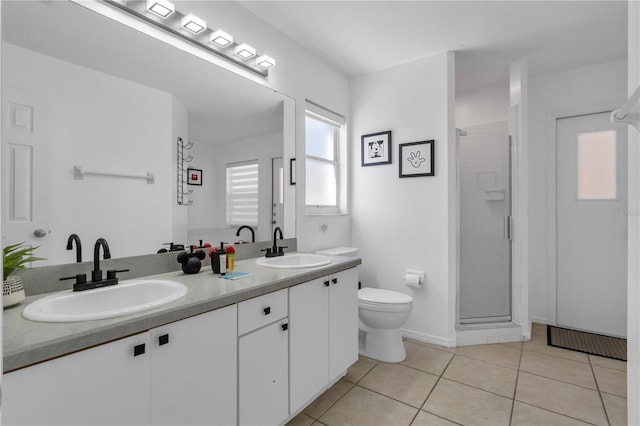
(360, 37)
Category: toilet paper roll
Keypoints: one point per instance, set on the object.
(413, 280)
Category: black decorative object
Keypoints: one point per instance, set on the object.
(376, 148)
(416, 159)
(191, 261)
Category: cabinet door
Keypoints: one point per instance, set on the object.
(104, 385)
(308, 340)
(343, 321)
(193, 370)
(263, 375)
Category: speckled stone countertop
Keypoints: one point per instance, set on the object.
(28, 342)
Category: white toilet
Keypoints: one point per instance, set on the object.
(382, 313)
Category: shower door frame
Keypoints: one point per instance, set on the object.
(508, 230)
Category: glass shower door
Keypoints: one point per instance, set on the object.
(485, 227)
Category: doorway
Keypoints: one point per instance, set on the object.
(484, 171)
(591, 224)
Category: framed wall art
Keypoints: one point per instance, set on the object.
(417, 159)
(194, 177)
(376, 149)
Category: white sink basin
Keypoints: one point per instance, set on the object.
(295, 260)
(107, 302)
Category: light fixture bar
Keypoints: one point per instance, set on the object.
(173, 25)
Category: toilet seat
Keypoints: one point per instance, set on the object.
(384, 300)
(381, 296)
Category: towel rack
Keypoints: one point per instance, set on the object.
(624, 115)
(181, 147)
(79, 172)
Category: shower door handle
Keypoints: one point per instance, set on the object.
(508, 226)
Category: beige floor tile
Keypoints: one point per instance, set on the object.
(500, 354)
(327, 399)
(467, 405)
(403, 383)
(528, 415)
(358, 370)
(513, 345)
(542, 347)
(616, 409)
(301, 420)
(427, 419)
(482, 374)
(557, 368)
(363, 407)
(563, 398)
(425, 358)
(608, 362)
(611, 381)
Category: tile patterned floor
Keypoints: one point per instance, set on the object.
(526, 383)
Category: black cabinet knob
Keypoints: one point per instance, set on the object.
(285, 327)
(326, 283)
(267, 310)
(335, 281)
(163, 340)
(139, 349)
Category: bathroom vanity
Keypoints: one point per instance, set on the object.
(255, 350)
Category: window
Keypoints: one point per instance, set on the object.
(242, 193)
(597, 165)
(325, 151)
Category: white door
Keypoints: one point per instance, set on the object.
(591, 200)
(277, 191)
(24, 158)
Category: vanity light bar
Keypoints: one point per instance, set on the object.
(194, 24)
(221, 38)
(189, 27)
(162, 8)
(245, 51)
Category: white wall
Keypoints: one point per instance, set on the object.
(589, 89)
(402, 224)
(482, 106)
(208, 219)
(633, 307)
(90, 126)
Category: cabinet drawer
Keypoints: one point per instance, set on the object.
(260, 311)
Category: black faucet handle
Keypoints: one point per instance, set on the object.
(80, 278)
(111, 273)
(267, 250)
(280, 249)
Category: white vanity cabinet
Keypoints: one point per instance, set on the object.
(107, 384)
(263, 354)
(182, 373)
(324, 333)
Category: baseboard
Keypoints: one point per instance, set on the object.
(428, 338)
(488, 334)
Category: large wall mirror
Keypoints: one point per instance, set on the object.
(91, 114)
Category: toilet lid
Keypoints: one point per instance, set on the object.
(378, 295)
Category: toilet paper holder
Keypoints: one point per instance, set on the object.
(413, 278)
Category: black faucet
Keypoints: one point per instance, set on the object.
(76, 238)
(275, 250)
(253, 234)
(96, 274)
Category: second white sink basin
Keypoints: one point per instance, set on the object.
(295, 260)
(107, 302)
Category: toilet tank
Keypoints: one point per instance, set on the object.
(340, 251)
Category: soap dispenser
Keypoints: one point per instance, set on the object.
(219, 260)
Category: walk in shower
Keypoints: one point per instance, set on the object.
(484, 190)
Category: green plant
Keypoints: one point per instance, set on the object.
(14, 257)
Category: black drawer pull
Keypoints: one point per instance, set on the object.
(335, 281)
(267, 310)
(326, 283)
(285, 327)
(163, 340)
(139, 349)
